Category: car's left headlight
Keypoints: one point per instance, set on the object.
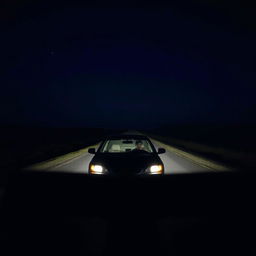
(155, 169)
(97, 169)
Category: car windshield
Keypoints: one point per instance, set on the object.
(126, 145)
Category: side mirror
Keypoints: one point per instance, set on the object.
(161, 151)
(91, 150)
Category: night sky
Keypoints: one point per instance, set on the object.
(127, 67)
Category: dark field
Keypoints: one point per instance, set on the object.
(23, 146)
(233, 145)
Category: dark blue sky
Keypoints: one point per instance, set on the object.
(78, 66)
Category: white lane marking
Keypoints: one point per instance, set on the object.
(176, 164)
(69, 161)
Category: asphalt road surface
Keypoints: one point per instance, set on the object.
(173, 163)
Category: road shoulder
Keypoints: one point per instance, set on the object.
(206, 163)
(60, 160)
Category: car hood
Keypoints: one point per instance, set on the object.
(126, 163)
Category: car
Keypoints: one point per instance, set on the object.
(126, 155)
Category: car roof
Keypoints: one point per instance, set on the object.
(127, 136)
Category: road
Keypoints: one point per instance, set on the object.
(174, 164)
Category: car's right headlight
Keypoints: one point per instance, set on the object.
(97, 169)
(155, 169)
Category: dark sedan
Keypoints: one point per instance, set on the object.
(126, 155)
